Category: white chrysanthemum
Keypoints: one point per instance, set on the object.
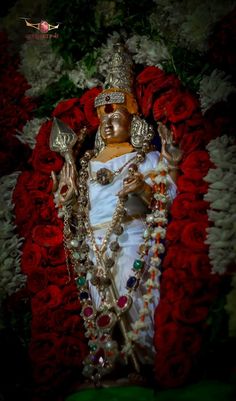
(11, 279)
(40, 65)
(80, 77)
(214, 88)
(30, 131)
(148, 52)
(221, 237)
(189, 22)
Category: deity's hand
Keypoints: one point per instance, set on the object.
(137, 186)
(169, 150)
(66, 187)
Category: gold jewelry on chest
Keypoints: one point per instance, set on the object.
(105, 176)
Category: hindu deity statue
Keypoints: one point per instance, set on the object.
(114, 201)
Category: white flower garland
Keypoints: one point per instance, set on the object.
(40, 65)
(189, 22)
(221, 237)
(11, 278)
(214, 88)
(30, 131)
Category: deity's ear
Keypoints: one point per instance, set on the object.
(99, 143)
(139, 131)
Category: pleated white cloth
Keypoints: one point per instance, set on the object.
(103, 200)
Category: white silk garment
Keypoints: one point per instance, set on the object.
(103, 200)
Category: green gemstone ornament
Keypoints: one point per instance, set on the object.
(138, 264)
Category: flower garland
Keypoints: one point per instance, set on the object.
(11, 278)
(156, 231)
(57, 346)
(186, 272)
(221, 236)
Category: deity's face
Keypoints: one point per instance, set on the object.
(115, 126)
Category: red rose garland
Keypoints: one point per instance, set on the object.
(57, 347)
(187, 285)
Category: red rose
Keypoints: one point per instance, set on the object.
(179, 131)
(187, 205)
(198, 264)
(196, 165)
(45, 161)
(49, 298)
(42, 139)
(172, 284)
(37, 280)
(192, 141)
(65, 106)
(173, 336)
(159, 84)
(149, 74)
(45, 372)
(191, 339)
(185, 184)
(87, 101)
(70, 113)
(33, 180)
(42, 323)
(189, 312)
(58, 275)
(54, 255)
(194, 235)
(174, 257)
(70, 298)
(163, 312)
(172, 370)
(73, 324)
(22, 202)
(160, 105)
(47, 235)
(43, 347)
(166, 336)
(174, 230)
(71, 351)
(181, 107)
(31, 257)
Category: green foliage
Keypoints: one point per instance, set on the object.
(85, 25)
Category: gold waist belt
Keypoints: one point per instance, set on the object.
(127, 219)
